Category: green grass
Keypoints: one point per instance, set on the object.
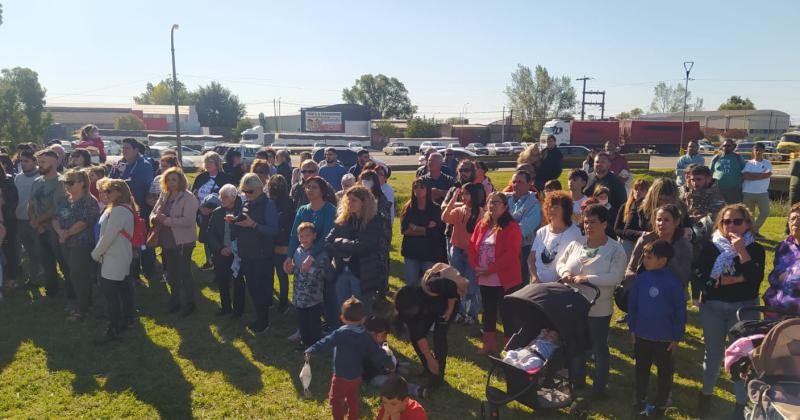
(210, 367)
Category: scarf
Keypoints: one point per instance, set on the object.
(726, 252)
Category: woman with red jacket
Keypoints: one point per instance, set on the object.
(494, 256)
(90, 137)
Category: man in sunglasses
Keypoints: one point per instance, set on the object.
(726, 167)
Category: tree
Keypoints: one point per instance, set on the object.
(161, 94)
(386, 95)
(386, 130)
(217, 106)
(129, 122)
(422, 128)
(630, 115)
(22, 113)
(536, 96)
(736, 102)
(241, 125)
(670, 99)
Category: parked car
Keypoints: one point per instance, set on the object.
(396, 148)
(745, 149)
(344, 155)
(706, 146)
(459, 153)
(423, 148)
(188, 151)
(573, 155)
(477, 148)
(497, 149)
(514, 146)
(187, 164)
(453, 145)
(112, 148)
(163, 144)
(769, 146)
(355, 146)
(209, 146)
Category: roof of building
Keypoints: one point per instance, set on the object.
(726, 113)
(97, 107)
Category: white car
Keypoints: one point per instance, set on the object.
(355, 146)
(453, 145)
(436, 145)
(396, 148)
(209, 146)
(496, 149)
(477, 148)
(112, 148)
(163, 144)
(188, 151)
(514, 147)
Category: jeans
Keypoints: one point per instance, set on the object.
(118, 302)
(347, 284)
(330, 305)
(283, 280)
(762, 202)
(414, 270)
(225, 280)
(50, 255)
(82, 271)
(598, 335)
(30, 242)
(177, 263)
(308, 323)
(523, 256)
(257, 273)
(646, 352)
(471, 304)
(717, 317)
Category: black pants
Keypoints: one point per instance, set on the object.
(309, 324)
(492, 299)
(440, 348)
(225, 280)
(646, 353)
(50, 255)
(119, 301)
(258, 278)
(177, 262)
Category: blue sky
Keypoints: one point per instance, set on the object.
(452, 56)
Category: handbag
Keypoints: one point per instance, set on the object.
(152, 237)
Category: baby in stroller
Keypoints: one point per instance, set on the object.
(532, 357)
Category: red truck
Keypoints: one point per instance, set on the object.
(663, 136)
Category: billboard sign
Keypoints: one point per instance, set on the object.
(326, 122)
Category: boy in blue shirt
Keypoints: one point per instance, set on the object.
(351, 344)
(657, 320)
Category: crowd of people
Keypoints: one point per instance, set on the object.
(465, 245)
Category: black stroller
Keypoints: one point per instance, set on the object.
(555, 306)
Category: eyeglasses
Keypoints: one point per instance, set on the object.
(735, 222)
(308, 171)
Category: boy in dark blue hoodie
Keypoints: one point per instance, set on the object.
(351, 345)
(657, 320)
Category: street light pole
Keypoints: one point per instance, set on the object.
(175, 95)
(687, 65)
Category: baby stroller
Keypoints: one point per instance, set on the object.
(771, 368)
(555, 306)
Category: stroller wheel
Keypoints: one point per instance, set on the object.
(489, 411)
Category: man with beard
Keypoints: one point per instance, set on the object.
(603, 176)
(47, 194)
(331, 170)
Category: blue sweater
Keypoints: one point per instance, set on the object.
(323, 223)
(333, 174)
(657, 306)
(351, 345)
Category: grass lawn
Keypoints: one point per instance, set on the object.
(211, 367)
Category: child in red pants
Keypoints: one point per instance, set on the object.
(352, 344)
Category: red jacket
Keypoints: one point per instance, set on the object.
(413, 411)
(97, 143)
(507, 248)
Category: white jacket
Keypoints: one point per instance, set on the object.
(113, 251)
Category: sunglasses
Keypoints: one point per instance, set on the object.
(735, 222)
(308, 171)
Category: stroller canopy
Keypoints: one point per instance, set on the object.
(553, 305)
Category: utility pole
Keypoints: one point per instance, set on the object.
(601, 104)
(279, 115)
(511, 117)
(275, 113)
(687, 65)
(175, 95)
(503, 127)
(583, 95)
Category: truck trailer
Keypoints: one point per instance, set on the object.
(634, 135)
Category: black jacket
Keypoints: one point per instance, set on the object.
(550, 168)
(221, 179)
(752, 271)
(235, 173)
(364, 246)
(285, 169)
(617, 197)
(430, 247)
(215, 234)
(286, 214)
(629, 229)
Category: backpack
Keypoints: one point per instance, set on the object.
(139, 236)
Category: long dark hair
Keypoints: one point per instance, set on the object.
(477, 197)
(504, 218)
(408, 299)
(412, 202)
(328, 194)
(376, 182)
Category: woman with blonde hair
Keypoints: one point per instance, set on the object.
(174, 215)
(73, 222)
(730, 268)
(356, 244)
(115, 253)
(208, 182)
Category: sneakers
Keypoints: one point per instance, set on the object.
(295, 337)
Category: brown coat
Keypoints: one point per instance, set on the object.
(181, 218)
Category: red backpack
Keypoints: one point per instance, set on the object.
(139, 237)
